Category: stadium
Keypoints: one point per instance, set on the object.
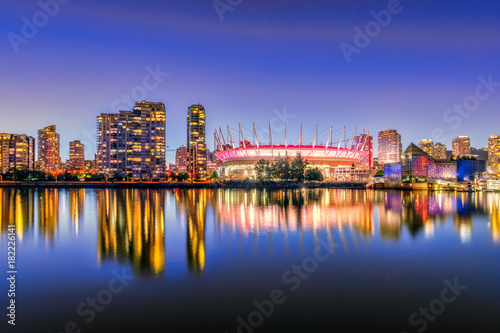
(332, 158)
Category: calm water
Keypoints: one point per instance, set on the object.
(200, 260)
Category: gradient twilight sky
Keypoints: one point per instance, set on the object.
(265, 55)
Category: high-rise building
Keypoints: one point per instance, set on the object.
(461, 146)
(132, 141)
(49, 158)
(439, 151)
(196, 145)
(428, 146)
(76, 156)
(494, 153)
(181, 159)
(16, 151)
(389, 146)
(364, 142)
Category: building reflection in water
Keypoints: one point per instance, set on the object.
(17, 208)
(390, 222)
(76, 200)
(131, 221)
(132, 228)
(193, 205)
(48, 212)
(493, 206)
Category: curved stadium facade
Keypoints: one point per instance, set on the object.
(239, 161)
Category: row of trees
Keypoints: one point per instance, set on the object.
(23, 174)
(284, 168)
(462, 158)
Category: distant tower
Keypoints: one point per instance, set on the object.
(428, 146)
(196, 144)
(439, 151)
(461, 146)
(76, 156)
(494, 153)
(389, 146)
(49, 158)
(181, 159)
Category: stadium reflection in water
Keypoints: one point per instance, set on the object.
(131, 222)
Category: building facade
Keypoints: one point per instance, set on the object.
(181, 159)
(49, 158)
(494, 153)
(461, 146)
(439, 151)
(76, 162)
(418, 166)
(389, 146)
(132, 141)
(196, 144)
(428, 146)
(16, 151)
(364, 142)
(469, 169)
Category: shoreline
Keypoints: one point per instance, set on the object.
(242, 185)
(179, 185)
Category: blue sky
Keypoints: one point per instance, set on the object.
(263, 58)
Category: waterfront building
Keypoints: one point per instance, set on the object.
(76, 161)
(494, 154)
(132, 141)
(428, 146)
(196, 144)
(181, 159)
(389, 146)
(16, 151)
(418, 166)
(468, 169)
(461, 146)
(172, 168)
(439, 151)
(49, 158)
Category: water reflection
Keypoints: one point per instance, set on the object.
(194, 205)
(131, 228)
(48, 212)
(131, 222)
(76, 201)
(17, 208)
(264, 211)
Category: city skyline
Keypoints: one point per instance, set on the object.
(284, 69)
(355, 133)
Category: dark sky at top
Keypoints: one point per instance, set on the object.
(266, 61)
